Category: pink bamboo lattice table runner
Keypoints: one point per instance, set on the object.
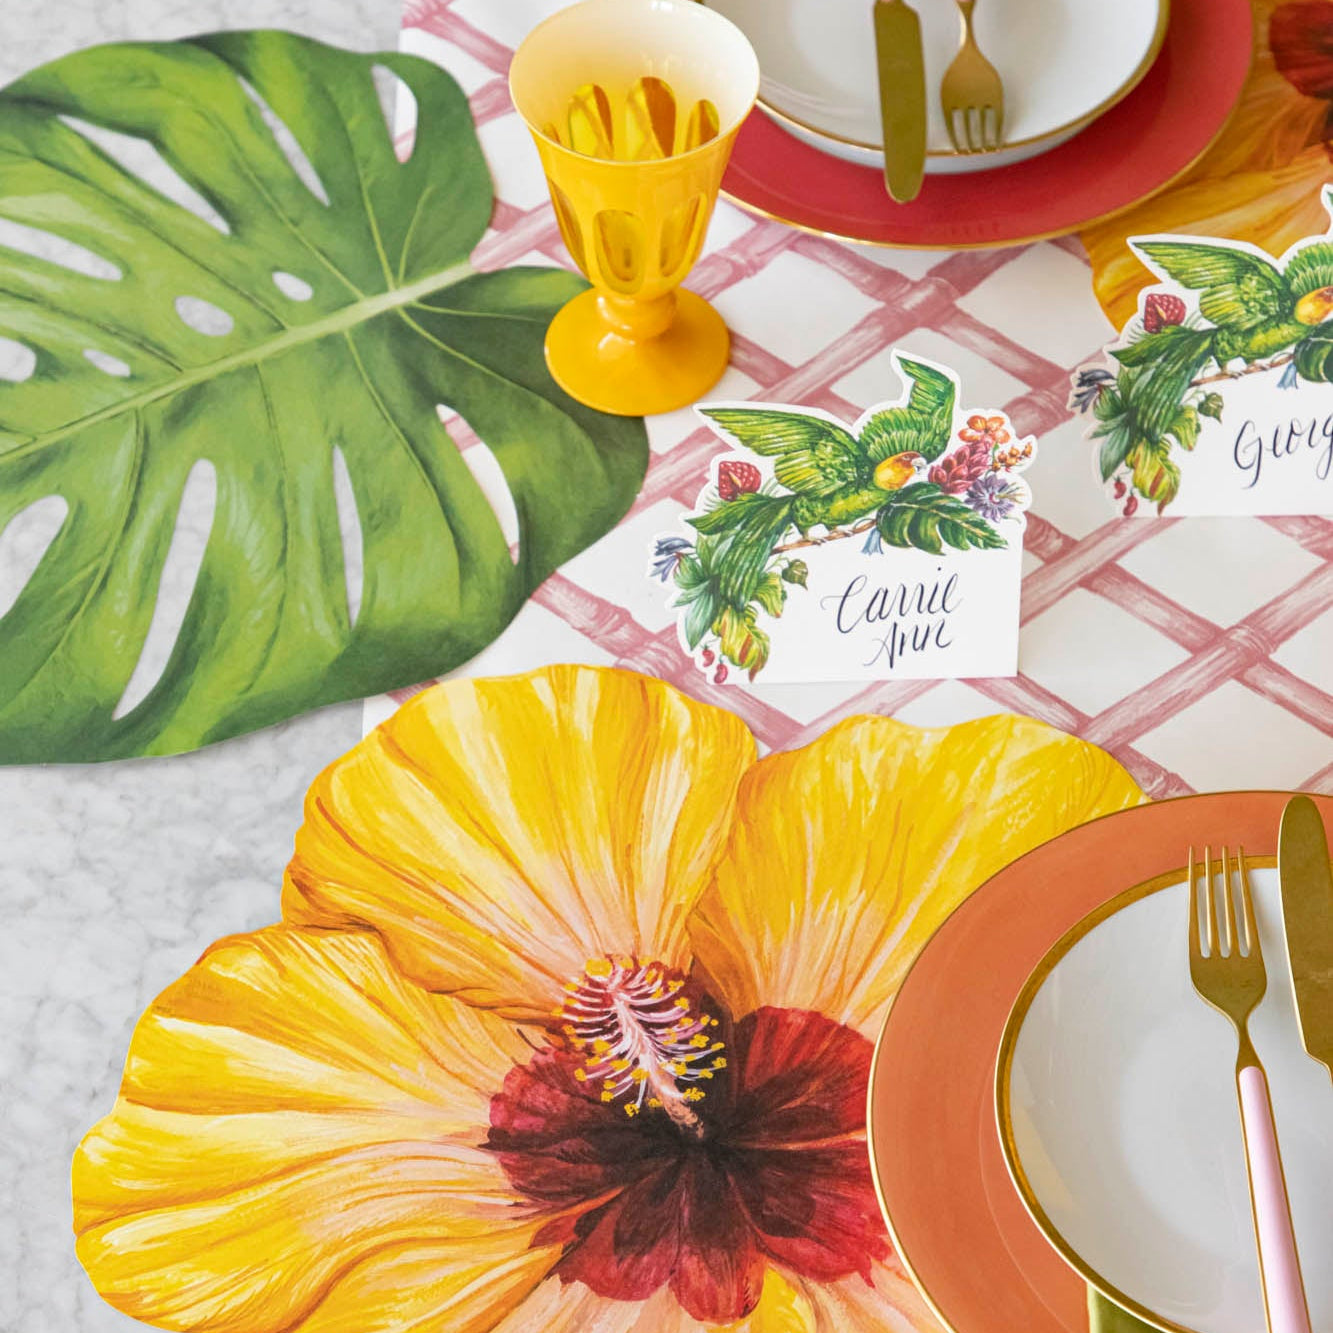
(1199, 652)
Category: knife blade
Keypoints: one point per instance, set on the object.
(902, 97)
(1307, 917)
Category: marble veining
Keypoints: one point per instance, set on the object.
(114, 877)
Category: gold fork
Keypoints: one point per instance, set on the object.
(972, 93)
(1229, 973)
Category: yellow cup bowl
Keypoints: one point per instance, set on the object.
(634, 106)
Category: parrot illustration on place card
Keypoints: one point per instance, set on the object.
(1217, 397)
(888, 548)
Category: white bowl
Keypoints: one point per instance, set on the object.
(1063, 62)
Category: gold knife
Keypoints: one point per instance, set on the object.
(1307, 918)
(902, 97)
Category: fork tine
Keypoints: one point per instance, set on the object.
(949, 124)
(1247, 905)
(1210, 898)
(1195, 951)
(1229, 905)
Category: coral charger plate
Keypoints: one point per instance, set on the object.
(956, 1219)
(1138, 147)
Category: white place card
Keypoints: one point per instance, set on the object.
(888, 548)
(1217, 397)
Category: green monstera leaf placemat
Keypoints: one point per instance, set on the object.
(307, 316)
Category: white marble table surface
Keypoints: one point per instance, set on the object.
(114, 877)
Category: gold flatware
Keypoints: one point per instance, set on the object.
(1227, 969)
(902, 97)
(972, 94)
(1307, 917)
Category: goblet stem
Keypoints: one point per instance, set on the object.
(638, 320)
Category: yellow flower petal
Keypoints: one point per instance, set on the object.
(1261, 181)
(290, 1107)
(846, 855)
(783, 1307)
(556, 1308)
(890, 1304)
(459, 1287)
(501, 833)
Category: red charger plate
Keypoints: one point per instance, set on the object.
(1138, 147)
(956, 1219)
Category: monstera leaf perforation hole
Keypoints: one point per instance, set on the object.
(286, 140)
(398, 105)
(316, 415)
(23, 543)
(17, 361)
(46, 245)
(180, 573)
(204, 317)
(138, 157)
(106, 363)
(481, 462)
(292, 287)
(349, 533)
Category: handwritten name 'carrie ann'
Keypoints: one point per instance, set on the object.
(1280, 441)
(917, 614)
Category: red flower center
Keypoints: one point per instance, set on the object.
(699, 1193)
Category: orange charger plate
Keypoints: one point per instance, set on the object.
(957, 1221)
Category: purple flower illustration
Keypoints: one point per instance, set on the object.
(667, 555)
(992, 497)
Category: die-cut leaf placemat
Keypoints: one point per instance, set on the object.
(324, 304)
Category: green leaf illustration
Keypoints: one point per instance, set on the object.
(925, 517)
(337, 325)
(1210, 405)
(699, 618)
(1185, 427)
(1117, 438)
(770, 594)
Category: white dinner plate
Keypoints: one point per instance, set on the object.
(1117, 1113)
(1063, 63)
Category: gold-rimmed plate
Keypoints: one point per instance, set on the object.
(1116, 1104)
(1140, 146)
(1064, 62)
(958, 1223)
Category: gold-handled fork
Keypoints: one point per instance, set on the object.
(1228, 971)
(972, 94)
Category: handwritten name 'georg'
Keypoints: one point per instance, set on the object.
(1253, 445)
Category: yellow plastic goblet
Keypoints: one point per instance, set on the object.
(634, 106)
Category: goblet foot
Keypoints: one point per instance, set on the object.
(593, 361)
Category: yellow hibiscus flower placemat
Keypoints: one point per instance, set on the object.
(528, 1051)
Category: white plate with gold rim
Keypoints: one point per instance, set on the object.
(1116, 1099)
(1063, 62)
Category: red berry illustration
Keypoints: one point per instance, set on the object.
(1131, 505)
(720, 675)
(1160, 310)
(1119, 492)
(735, 478)
(707, 657)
